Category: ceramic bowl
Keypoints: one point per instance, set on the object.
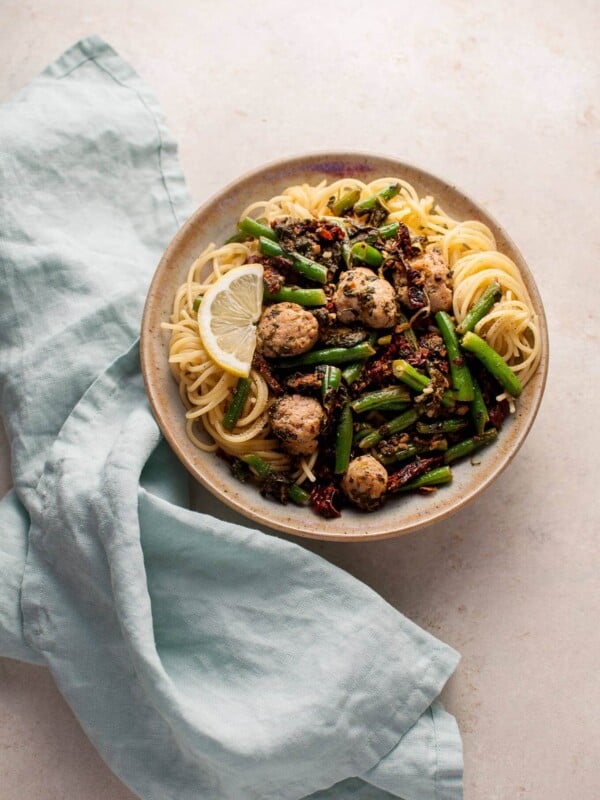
(213, 222)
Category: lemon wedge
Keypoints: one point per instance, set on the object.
(227, 318)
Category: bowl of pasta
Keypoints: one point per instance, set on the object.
(343, 346)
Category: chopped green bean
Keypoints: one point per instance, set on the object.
(297, 494)
(343, 440)
(462, 381)
(402, 454)
(365, 254)
(271, 248)
(330, 355)
(443, 426)
(468, 446)
(369, 203)
(477, 312)
(435, 477)
(197, 302)
(345, 203)
(493, 362)
(389, 231)
(416, 381)
(380, 398)
(406, 373)
(410, 450)
(303, 297)
(479, 412)
(352, 372)
(251, 227)
(330, 383)
(240, 395)
(395, 425)
(332, 377)
(258, 465)
(305, 266)
(263, 470)
(361, 430)
(237, 238)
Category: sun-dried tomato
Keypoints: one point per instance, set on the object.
(260, 363)
(411, 471)
(322, 499)
(498, 413)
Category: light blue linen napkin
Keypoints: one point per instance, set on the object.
(204, 660)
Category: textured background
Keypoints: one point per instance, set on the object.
(501, 99)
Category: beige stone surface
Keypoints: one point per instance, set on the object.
(501, 99)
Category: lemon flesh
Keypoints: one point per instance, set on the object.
(227, 318)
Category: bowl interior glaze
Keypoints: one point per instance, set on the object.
(213, 222)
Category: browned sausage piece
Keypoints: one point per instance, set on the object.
(365, 482)
(361, 295)
(286, 329)
(297, 421)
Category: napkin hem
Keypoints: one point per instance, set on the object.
(448, 776)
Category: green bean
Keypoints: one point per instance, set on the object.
(449, 399)
(270, 248)
(251, 227)
(462, 381)
(345, 202)
(435, 477)
(303, 297)
(493, 362)
(351, 373)
(343, 440)
(330, 383)
(362, 430)
(258, 464)
(330, 355)
(395, 425)
(365, 254)
(305, 266)
(393, 405)
(240, 395)
(443, 426)
(332, 377)
(410, 450)
(369, 203)
(468, 446)
(490, 296)
(379, 398)
(197, 302)
(297, 494)
(479, 412)
(406, 373)
(237, 237)
(400, 455)
(416, 381)
(263, 470)
(389, 231)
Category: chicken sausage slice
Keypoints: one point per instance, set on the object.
(286, 329)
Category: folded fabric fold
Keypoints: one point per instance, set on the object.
(203, 659)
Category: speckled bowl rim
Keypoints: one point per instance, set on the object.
(211, 222)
